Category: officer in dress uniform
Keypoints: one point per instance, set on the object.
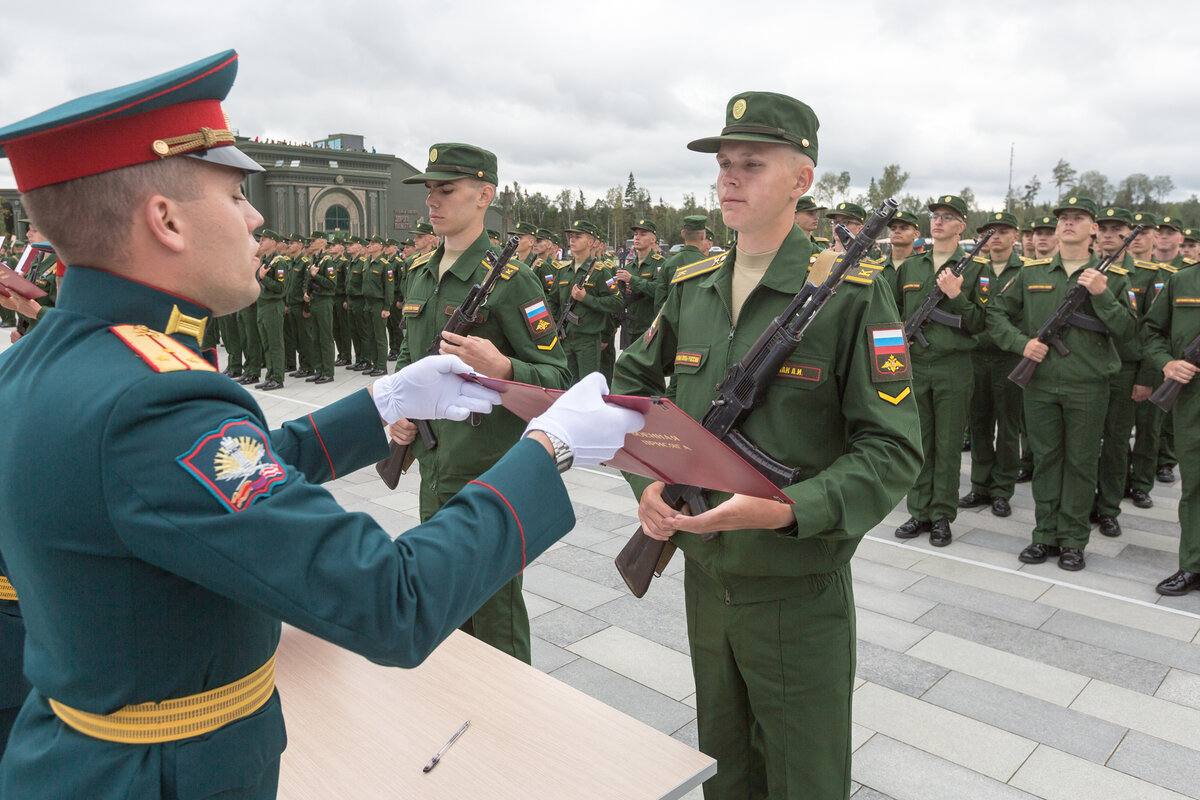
(1067, 398)
(191, 530)
(514, 340)
(769, 601)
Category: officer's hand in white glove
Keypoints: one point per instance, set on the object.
(431, 388)
(593, 429)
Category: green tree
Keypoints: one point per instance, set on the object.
(1063, 174)
(1095, 185)
(831, 187)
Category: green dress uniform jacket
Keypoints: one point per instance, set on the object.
(943, 395)
(192, 532)
(516, 320)
(643, 284)
(379, 293)
(597, 313)
(688, 254)
(270, 316)
(771, 612)
(1171, 324)
(1148, 418)
(1067, 398)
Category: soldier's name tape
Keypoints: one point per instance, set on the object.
(180, 718)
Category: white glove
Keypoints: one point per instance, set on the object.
(431, 389)
(593, 429)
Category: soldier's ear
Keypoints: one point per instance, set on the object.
(163, 218)
(487, 194)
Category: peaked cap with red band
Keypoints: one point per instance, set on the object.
(176, 113)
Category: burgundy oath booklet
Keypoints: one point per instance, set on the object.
(672, 447)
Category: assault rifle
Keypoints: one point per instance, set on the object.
(1165, 395)
(743, 389)
(569, 317)
(310, 283)
(1065, 315)
(914, 328)
(464, 318)
(624, 318)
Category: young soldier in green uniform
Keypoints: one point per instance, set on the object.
(641, 278)
(1171, 324)
(355, 305)
(849, 214)
(191, 530)
(1168, 250)
(379, 293)
(247, 320)
(341, 319)
(1066, 399)
(545, 265)
(588, 281)
(323, 278)
(943, 396)
(808, 217)
(693, 233)
(272, 278)
(395, 329)
(903, 230)
(1147, 417)
(515, 341)
(995, 413)
(770, 606)
(295, 344)
(1045, 237)
(1115, 224)
(1190, 249)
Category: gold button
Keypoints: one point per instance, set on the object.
(160, 148)
(804, 142)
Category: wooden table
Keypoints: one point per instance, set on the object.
(359, 730)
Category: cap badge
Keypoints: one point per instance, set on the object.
(946, 199)
(999, 216)
(739, 108)
(432, 154)
(1109, 213)
(1071, 201)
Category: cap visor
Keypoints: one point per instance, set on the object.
(712, 144)
(435, 176)
(227, 156)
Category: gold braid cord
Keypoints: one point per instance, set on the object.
(202, 140)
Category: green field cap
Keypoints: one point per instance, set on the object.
(423, 227)
(1171, 221)
(908, 217)
(1191, 235)
(391, 242)
(267, 233)
(852, 210)
(1078, 201)
(1044, 221)
(765, 117)
(450, 161)
(1147, 218)
(492, 233)
(950, 201)
(695, 222)
(585, 226)
(999, 218)
(526, 228)
(644, 225)
(1117, 214)
(806, 203)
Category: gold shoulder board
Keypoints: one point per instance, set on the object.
(698, 268)
(159, 351)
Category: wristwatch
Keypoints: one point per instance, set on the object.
(562, 453)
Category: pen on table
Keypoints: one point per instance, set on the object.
(433, 762)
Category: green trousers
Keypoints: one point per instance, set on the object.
(1114, 451)
(583, 354)
(270, 333)
(1187, 443)
(1065, 425)
(375, 343)
(1166, 443)
(395, 333)
(354, 315)
(341, 328)
(306, 329)
(773, 687)
(1148, 420)
(995, 424)
(502, 621)
(608, 357)
(231, 335)
(291, 338)
(321, 324)
(943, 398)
(251, 343)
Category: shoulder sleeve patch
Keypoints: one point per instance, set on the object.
(698, 268)
(235, 464)
(159, 351)
(864, 273)
(889, 353)
(537, 318)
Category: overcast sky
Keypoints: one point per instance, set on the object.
(578, 95)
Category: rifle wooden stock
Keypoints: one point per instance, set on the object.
(1023, 372)
(1165, 395)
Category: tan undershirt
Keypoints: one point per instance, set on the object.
(1073, 265)
(449, 257)
(940, 258)
(748, 271)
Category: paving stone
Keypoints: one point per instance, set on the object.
(537, 605)
(897, 770)
(1090, 579)
(1156, 761)
(1126, 565)
(892, 603)
(880, 546)
(585, 536)
(859, 736)
(948, 735)
(662, 669)
(993, 604)
(867, 793)
(566, 588)
(1150, 715)
(896, 670)
(610, 547)
(1121, 612)
(613, 522)
(564, 626)
(689, 735)
(883, 575)
(1182, 688)
(1001, 668)
(1054, 775)
(996, 540)
(1126, 639)
(891, 633)
(584, 564)
(1039, 645)
(548, 657)
(1189, 602)
(1070, 731)
(659, 616)
(1009, 583)
(656, 710)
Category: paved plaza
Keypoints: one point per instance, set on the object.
(978, 677)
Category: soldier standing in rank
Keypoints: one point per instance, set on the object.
(1190, 249)
(808, 217)
(588, 282)
(995, 412)
(272, 278)
(1067, 398)
(355, 305)
(1168, 251)
(314, 249)
(851, 215)
(9, 257)
(769, 601)
(903, 230)
(1045, 237)
(1148, 418)
(42, 273)
(341, 317)
(1170, 325)
(695, 249)
(295, 323)
(231, 336)
(526, 233)
(943, 396)
(515, 340)
(379, 292)
(493, 237)
(640, 278)
(247, 321)
(395, 327)
(1027, 240)
(546, 265)
(322, 281)
(1115, 224)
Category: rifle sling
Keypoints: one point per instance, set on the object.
(1077, 319)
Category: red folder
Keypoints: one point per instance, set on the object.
(672, 447)
(11, 283)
